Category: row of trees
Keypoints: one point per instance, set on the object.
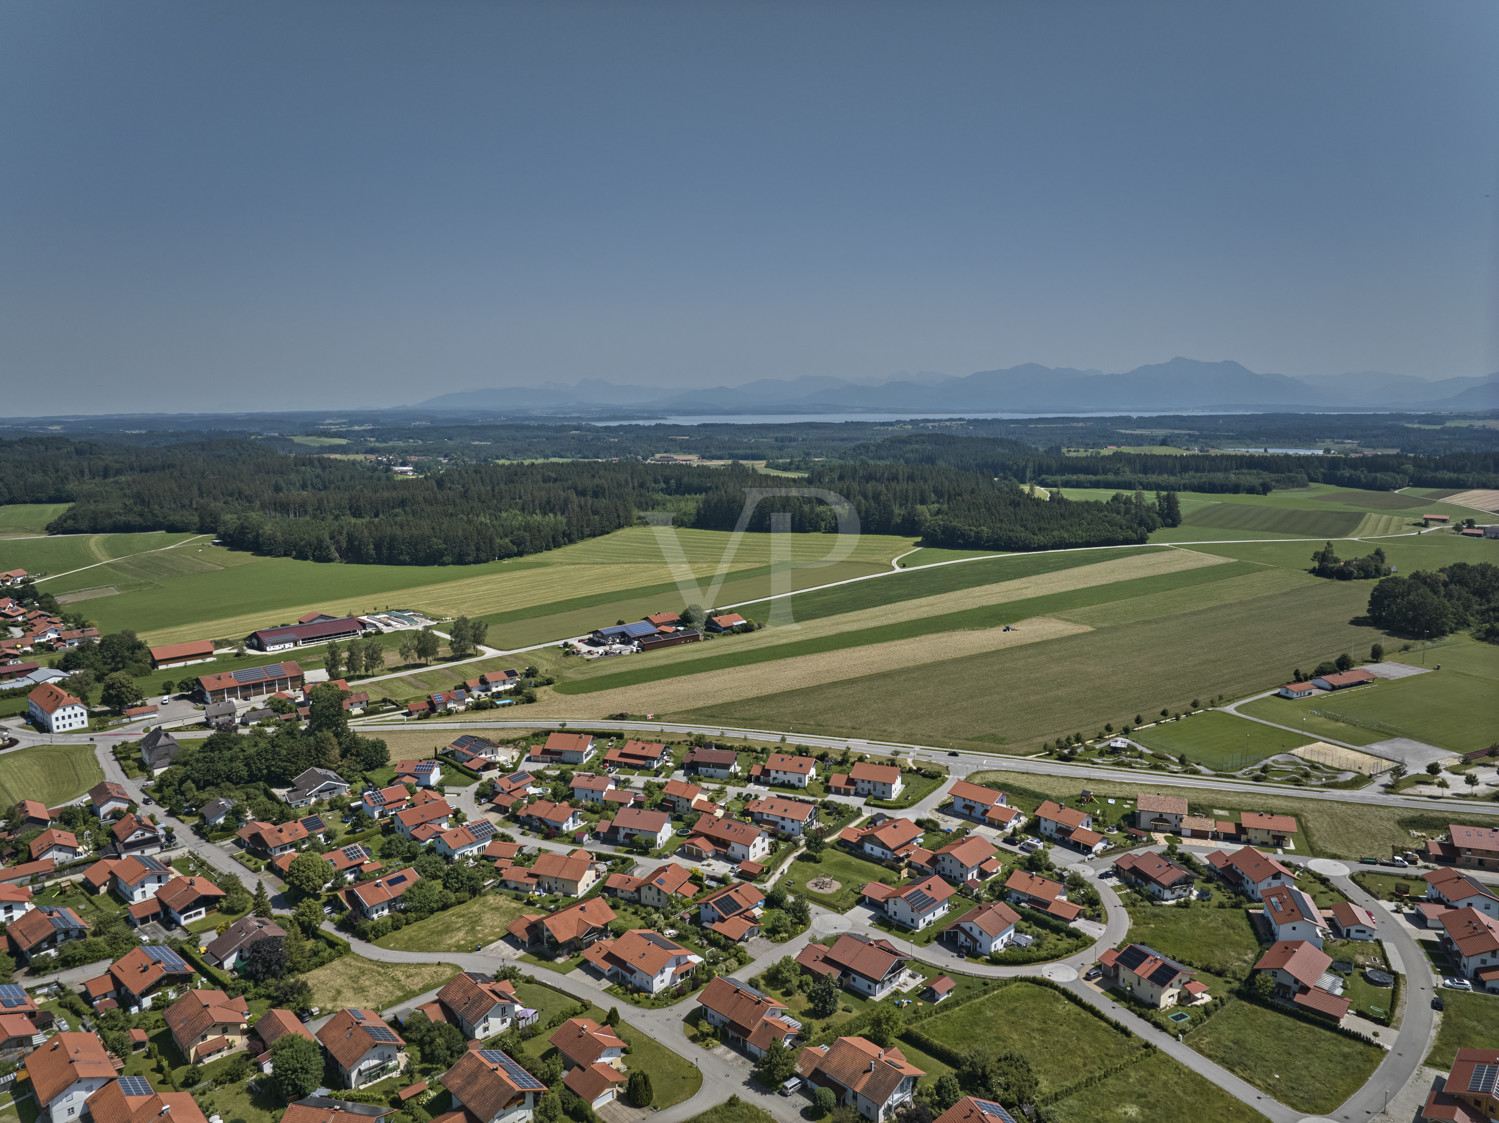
(1326, 563)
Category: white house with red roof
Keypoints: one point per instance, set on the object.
(887, 840)
(983, 930)
(789, 771)
(1069, 825)
(983, 805)
(52, 708)
(872, 781)
(916, 906)
(789, 817)
(1250, 872)
(1291, 914)
(1300, 971)
(1353, 922)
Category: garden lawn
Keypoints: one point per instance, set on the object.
(1029, 1019)
(1217, 940)
(850, 872)
(1219, 740)
(352, 980)
(1305, 1067)
(1470, 1021)
(1156, 1087)
(52, 774)
(673, 1077)
(740, 1112)
(1386, 886)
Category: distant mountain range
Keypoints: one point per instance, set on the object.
(1181, 385)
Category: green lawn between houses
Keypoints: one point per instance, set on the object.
(851, 873)
(1219, 940)
(1305, 1067)
(479, 921)
(1156, 1088)
(1470, 1021)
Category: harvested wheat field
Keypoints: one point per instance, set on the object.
(1347, 760)
(1481, 498)
(733, 684)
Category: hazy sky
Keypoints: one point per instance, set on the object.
(270, 205)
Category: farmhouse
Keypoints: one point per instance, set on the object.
(1155, 875)
(1160, 813)
(251, 682)
(1291, 914)
(983, 930)
(717, 764)
(489, 1086)
(1149, 976)
(1069, 825)
(915, 906)
(787, 771)
(1249, 872)
(1301, 978)
(362, 1047)
(181, 654)
(300, 635)
(643, 960)
(1043, 894)
(566, 931)
(630, 823)
(52, 708)
(872, 968)
(787, 817)
(983, 805)
(752, 1020)
(871, 1080)
(1343, 679)
(733, 911)
(728, 839)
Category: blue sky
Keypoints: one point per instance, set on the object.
(266, 205)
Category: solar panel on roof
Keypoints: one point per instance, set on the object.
(523, 1079)
(354, 853)
(399, 879)
(1484, 1080)
(921, 900)
(380, 1033)
(135, 1086)
(168, 958)
(482, 829)
(992, 1109)
(12, 995)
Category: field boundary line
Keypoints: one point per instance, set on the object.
(111, 561)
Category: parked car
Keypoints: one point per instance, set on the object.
(1438, 1002)
(1455, 982)
(792, 1085)
(1093, 973)
(1368, 861)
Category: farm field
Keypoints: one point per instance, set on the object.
(1219, 740)
(66, 553)
(1020, 1018)
(1014, 698)
(1304, 1066)
(52, 774)
(352, 980)
(1157, 1087)
(28, 518)
(479, 921)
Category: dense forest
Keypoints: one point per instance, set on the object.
(1429, 604)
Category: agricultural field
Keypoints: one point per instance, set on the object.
(23, 519)
(52, 774)
(1305, 1067)
(73, 561)
(1218, 740)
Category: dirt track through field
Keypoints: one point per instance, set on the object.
(730, 685)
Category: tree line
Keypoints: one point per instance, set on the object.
(1427, 604)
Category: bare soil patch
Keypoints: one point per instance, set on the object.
(88, 594)
(826, 885)
(1345, 760)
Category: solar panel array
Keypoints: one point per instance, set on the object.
(151, 864)
(994, 1111)
(482, 829)
(399, 879)
(921, 900)
(354, 853)
(314, 823)
(381, 1033)
(12, 995)
(135, 1086)
(63, 920)
(168, 958)
(522, 1079)
(1485, 1079)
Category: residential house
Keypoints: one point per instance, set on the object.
(663, 888)
(15, 902)
(874, 781)
(59, 845)
(215, 811)
(593, 1056)
(728, 622)
(1296, 690)
(983, 930)
(65, 1072)
(1470, 1093)
(33, 814)
(1353, 922)
(133, 834)
(1041, 893)
(886, 840)
(565, 748)
(588, 788)
(205, 1023)
(646, 756)
(643, 960)
(424, 821)
(1155, 875)
(938, 989)
(1150, 977)
(1301, 978)
(567, 931)
(752, 1020)
(465, 841)
(271, 840)
(787, 817)
(158, 750)
(1160, 813)
(1455, 890)
(370, 900)
(872, 968)
(1261, 829)
(322, 1109)
(789, 771)
(272, 1026)
(970, 1110)
(716, 764)
(230, 949)
(187, 899)
(1069, 825)
(971, 858)
(380, 802)
(1471, 941)
(108, 799)
(571, 874)
(42, 930)
(1249, 872)
(489, 1086)
(479, 1006)
(362, 1047)
(916, 906)
(1291, 914)
(983, 805)
(1474, 848)
(138, 976)
(733, 911)
(131, 1099)
(52, 708)
(630, 823)
(548, 818)
(727, 839)
(138, 877)
(872, 1080)
(681, 796)
(314, 785)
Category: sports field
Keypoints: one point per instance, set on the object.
(53, 774)
(1218, 740)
